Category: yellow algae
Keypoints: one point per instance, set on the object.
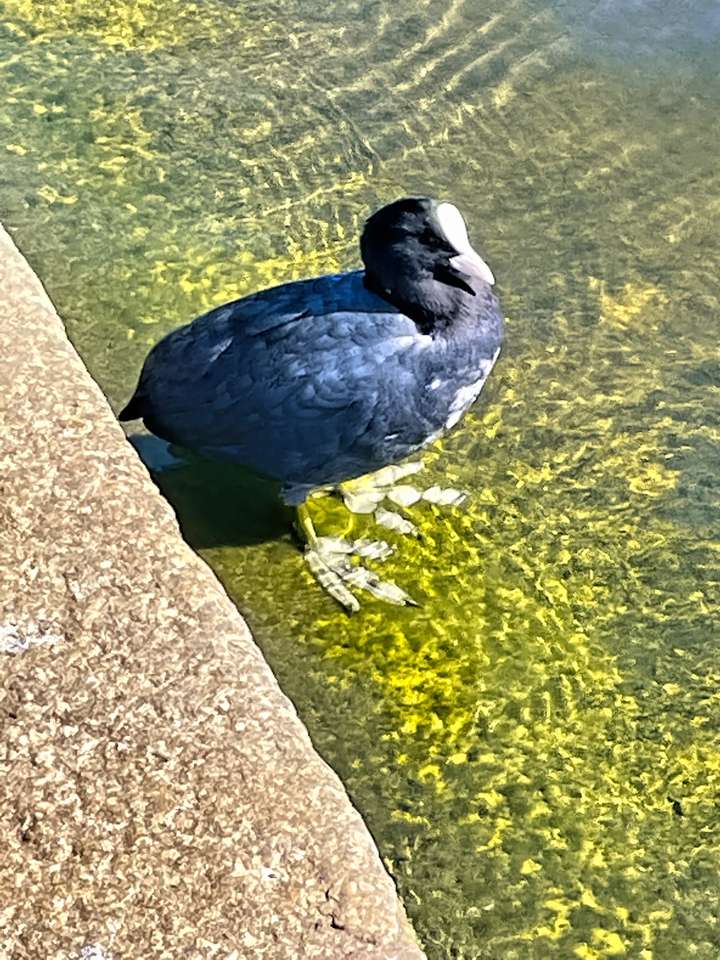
(560, 923)
(502, 94)
(145, 24)
(51, 195)
(407, 817)
(586, 952)
(588, 899)
(501, 827)
(611, 944)
(632, 305)
(582, 722)
(430, 770)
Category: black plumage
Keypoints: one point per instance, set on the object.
(318, 381)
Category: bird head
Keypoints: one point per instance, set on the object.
(417, 255)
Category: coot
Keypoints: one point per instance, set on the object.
(319, 381)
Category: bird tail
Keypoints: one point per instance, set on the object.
(134, 409)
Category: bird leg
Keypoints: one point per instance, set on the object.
(329, 561)
(366, 494)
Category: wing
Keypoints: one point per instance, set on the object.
(285, 380)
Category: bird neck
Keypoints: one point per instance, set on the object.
(435, 308)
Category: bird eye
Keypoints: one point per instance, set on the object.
(430, 238)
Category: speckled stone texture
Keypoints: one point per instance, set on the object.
(158, 795)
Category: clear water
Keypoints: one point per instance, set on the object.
(536, 749)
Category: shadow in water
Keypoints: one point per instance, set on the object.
(217, 504)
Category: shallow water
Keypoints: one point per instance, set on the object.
(535, 748)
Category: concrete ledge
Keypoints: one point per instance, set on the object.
(159, 796)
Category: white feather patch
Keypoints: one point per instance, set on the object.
(467, 395)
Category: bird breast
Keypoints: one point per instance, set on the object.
(467, 394)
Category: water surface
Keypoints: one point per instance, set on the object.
(536, 747)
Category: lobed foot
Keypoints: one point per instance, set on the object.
(329, 561)
(366, 494)
(333, 562)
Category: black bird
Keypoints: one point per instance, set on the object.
(320, 381)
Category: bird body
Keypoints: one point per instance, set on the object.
(316, 381)
(320, 381)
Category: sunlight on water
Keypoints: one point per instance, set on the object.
(536, 747)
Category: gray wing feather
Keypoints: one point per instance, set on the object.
(250, 380)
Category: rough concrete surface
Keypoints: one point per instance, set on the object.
(158, 795)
